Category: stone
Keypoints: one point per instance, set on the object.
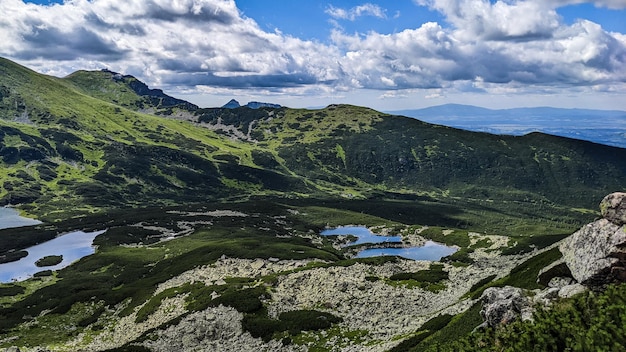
(546, 296)
(502, 305)
(596, 254)
(257, 264)
(613, 208)
(560, 282)
(571, 290)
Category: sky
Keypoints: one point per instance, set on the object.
(387, 55)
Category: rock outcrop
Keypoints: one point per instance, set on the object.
(502, 305)
(596, 254)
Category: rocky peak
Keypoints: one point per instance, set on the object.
(596, 254)
(232, 104)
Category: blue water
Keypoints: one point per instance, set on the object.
(10, 218)
(429, 251)
(71, 246)
(364, 235)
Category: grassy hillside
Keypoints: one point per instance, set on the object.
(353, 149)
(180, 189)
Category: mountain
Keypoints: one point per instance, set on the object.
(125, 90)
(233, 104)
(257, 105)
(600, 126)
(97, 147)
(211, 219)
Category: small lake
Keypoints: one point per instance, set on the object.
(363, 233)
(71, 246)
(10, 218)
(429, 251)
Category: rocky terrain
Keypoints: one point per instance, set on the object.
(593, 257)
(376, 312)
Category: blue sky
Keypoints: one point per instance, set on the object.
(384, 54)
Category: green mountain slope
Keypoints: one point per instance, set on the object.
(361, 148)
(66, 151)
(81, 140)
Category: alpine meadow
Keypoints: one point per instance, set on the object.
(133, 217)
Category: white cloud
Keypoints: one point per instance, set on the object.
(611, 4)
(501, 48)
(352, 14)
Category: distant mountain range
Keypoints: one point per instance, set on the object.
(600, 126)
(233, 104)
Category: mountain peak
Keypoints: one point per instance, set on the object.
(125, 90)
(232, 104)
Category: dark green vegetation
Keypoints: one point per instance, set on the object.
(99, 150)
(587, 322)
(427, 279)
(50, 260)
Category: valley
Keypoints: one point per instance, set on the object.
(209, 219)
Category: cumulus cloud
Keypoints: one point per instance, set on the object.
(185, 42)
(502, 46)
(367, 9)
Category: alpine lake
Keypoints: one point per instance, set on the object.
(70, 247)
(431, 251)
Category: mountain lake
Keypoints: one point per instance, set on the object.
(72, 246)
(429, 251)
(10, 218)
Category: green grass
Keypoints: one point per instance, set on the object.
(458, 327)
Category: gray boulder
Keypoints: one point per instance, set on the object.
(502, 305)
(613, 208)
(571, 290)
(596, 254)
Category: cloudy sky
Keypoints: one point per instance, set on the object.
(389, 55)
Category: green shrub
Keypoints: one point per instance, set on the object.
(50, 260)
(428, 328)
(293, 322)
(587, 322)
(306, 320)
(11, 290)
(432, 275)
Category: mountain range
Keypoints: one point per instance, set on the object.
(212, 218)
(600, 126)
(99, 139)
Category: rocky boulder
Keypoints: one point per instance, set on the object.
(502, 305)
(613, 208)
(596, 254)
